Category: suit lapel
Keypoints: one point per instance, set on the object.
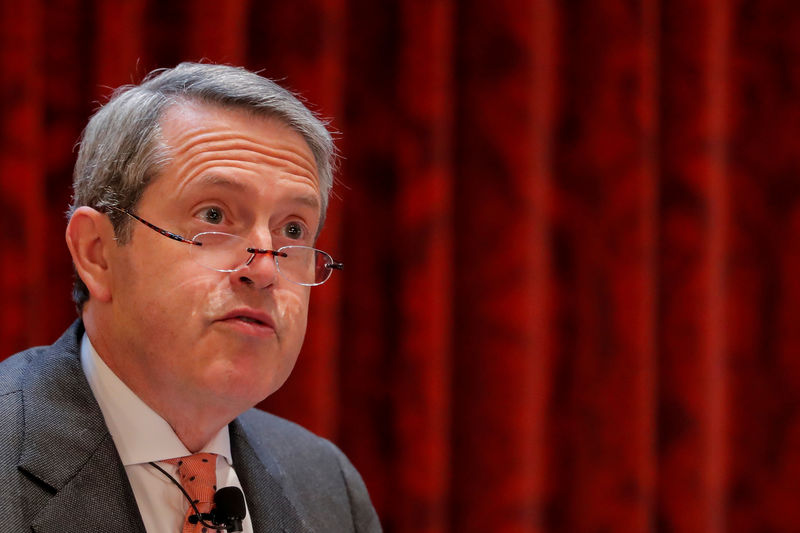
(67, 448)
(270, 509)
(97, 498)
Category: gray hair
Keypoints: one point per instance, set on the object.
(121, 149)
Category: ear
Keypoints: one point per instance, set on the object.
(89, 238)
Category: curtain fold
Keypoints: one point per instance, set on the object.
(570, 299)
(694, 235)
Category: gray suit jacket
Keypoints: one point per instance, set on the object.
(60, 471)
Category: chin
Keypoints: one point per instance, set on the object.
(244, 386)
(247, 372)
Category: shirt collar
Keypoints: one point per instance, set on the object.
(139, 433)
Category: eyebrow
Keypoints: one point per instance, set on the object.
(217, 180)
(310, 201)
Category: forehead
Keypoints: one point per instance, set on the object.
(201, 136)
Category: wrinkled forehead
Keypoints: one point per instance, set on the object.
(189, 126)
(241, 159)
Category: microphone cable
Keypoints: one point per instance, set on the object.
(229, 524)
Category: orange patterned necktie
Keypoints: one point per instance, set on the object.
(198, 475)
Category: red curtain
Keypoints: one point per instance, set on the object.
(571, 299)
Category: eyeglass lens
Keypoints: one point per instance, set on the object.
(228, 253)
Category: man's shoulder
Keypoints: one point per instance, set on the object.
(12, 369)
(320, 480)
(286, 439)
(12, 376)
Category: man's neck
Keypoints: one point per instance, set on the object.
(195, 422)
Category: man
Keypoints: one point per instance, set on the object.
(198, 198)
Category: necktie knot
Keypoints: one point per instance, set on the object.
(197, 474)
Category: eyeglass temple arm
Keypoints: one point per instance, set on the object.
(153, 227)
(335, 266)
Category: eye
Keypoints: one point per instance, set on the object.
(294, 230)
(212, 215)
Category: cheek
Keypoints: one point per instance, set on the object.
(292, 312)
(163, 292)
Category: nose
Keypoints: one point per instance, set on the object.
(260, 271)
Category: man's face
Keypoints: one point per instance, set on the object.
(191, 333)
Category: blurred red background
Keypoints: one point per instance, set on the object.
(571, 299)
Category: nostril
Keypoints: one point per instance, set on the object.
(245, 280)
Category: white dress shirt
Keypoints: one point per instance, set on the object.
(141, 436)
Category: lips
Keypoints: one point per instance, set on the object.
(249, 321)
